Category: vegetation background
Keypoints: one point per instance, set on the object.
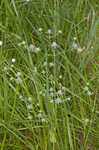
(49, 74)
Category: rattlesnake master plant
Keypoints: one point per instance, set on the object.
(49, 75)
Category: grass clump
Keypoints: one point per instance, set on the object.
(49, 68)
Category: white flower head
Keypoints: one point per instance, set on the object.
(60, 77)
(87, 83)
(45, 63)
(51, 94)
(54, 45)
(38, 104)
(75, 38)
(18, 80)
(68, 99)
(63, 88)
(20, 97)
(89, 93)
(49, 31)
(1, 43)
(58, 100)
(85, 89)
(51, 89)
(51, 64)
(5, 69)
(40, 29)
(86, 120)
(13, 60)
(37, 49)
(43, 120)
(39, 115)
(29, 106)
(22, 43)
(18, 74)
(30, 117)
(79, 49)
(31, 47)
(29, 99)
(41, 92)
(60, 32)
(11, 78)
(75, 45)
(59, 92)
(12, 65)
(35, 70)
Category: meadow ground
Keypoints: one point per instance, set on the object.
(49, 74)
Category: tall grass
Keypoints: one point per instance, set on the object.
(49, 68)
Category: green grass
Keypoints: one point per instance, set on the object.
(49, 95)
